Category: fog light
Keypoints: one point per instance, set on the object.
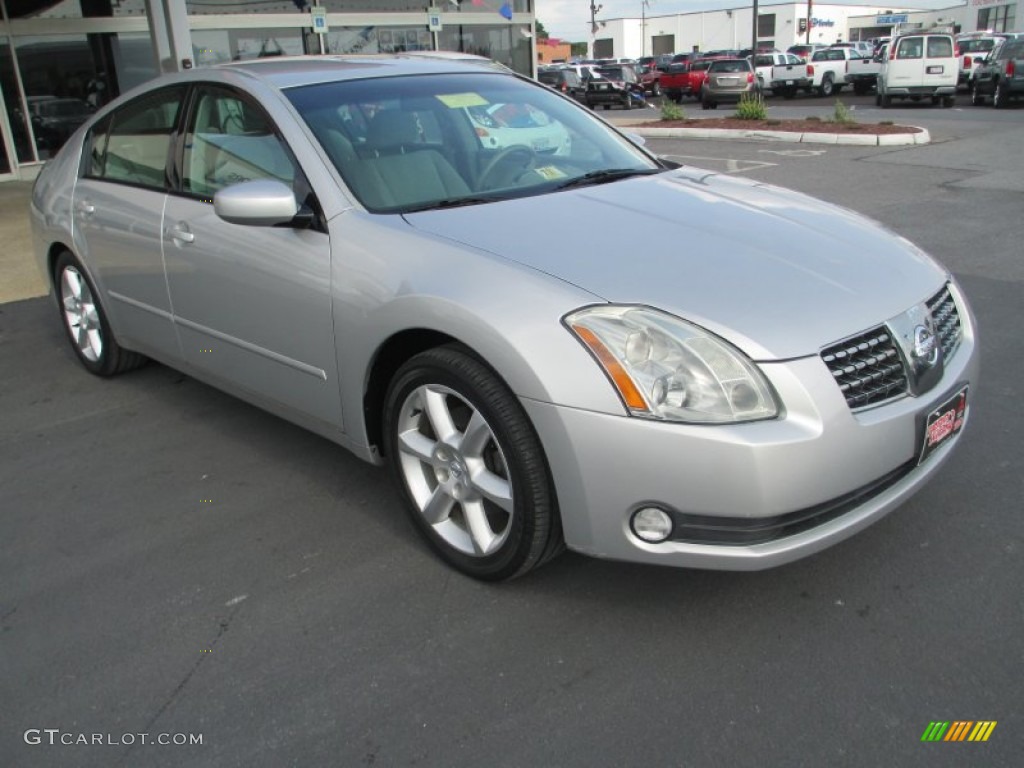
(651, 524)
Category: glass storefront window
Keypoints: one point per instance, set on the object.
(378, 39)
(12, 102)
(67, 77)
(74, 9)
(504, 43)
(216, 46)
(246, 7)
(412, 6)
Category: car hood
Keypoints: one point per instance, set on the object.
(777, 273)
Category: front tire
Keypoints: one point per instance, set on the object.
(85, 321)
(470, 466)
(977, 99)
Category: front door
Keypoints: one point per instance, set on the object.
(252, 303)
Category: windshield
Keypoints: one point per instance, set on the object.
(411, 143)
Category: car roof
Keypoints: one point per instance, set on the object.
(293, 71)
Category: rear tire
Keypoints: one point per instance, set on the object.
(999, 98)
(85, 321)
(827, 87)
(470, 466)
(656, 89)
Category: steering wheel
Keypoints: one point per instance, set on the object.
(526, 153)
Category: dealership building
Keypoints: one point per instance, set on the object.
(60, 59)
(784, 24)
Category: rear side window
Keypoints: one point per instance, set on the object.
(940, 48)
(1013, 50)
(910, 48)
(132, 143)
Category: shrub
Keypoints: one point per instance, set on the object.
(671, 111)
(812, 119)
(751, 107)
(842, 114)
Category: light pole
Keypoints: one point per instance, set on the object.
(644, 4)
(594, 10)
(753, 37)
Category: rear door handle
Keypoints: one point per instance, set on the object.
(85, 208)
(180, 233)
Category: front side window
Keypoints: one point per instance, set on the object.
(230, 140)
(132, 145)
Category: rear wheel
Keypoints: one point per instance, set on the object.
(85, 322)
(471, 466)
(827, 87)
(656, 89)
(999, 99)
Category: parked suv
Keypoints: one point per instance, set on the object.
(974, 48)
(1001, 75)
(617, 85)
(919, 66)
(728, 80)
(565, 81)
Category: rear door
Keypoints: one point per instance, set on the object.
(906, 68)
(941, 67)
(118, 205)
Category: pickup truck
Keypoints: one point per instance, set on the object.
(782, 73)
(685, 78)
(834, 68)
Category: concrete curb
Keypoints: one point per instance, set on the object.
(857, 139)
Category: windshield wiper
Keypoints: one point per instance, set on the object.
(452, 202)
(606, 175)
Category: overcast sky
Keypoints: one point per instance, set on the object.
(570, 19)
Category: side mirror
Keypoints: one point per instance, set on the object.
(636, 138)
(261, 203)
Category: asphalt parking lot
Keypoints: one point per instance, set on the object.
(174, 561)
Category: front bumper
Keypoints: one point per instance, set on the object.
(821, 457)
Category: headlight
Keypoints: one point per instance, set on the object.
(666, 368)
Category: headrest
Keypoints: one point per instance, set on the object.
(391, 129)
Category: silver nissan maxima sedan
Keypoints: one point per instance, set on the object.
(339, 242)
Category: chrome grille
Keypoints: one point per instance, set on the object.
(867, 368)
(947, 321)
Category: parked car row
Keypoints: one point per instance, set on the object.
(604, 85)
(915, 66)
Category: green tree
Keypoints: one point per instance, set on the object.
(542, 34)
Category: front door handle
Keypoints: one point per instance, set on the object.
(181, 234)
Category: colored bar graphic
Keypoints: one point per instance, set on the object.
(982, 730)
(958, 730)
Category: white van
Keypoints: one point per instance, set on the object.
(919, 66)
